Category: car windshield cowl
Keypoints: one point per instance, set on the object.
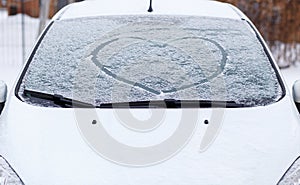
(165, 103)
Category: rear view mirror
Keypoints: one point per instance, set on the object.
(3, 94)
(296, 94)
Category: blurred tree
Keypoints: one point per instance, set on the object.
(279, 23)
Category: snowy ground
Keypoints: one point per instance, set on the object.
(11, 51)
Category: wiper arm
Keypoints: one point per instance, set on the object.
(57, 99)
(166, 103)
(173, 103)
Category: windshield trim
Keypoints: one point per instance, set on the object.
(19, 82)
(270, 58)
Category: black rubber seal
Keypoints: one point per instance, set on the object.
(270, 59)
(29, 61)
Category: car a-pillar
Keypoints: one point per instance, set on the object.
(296, 94)
(3, 94)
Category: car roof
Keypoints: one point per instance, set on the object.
(206, 8)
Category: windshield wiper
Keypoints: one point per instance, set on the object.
(165, 103)
(173, 103)
(57, 99)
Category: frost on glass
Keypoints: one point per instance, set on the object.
(135, 58)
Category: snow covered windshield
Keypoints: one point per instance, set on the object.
(136, 58)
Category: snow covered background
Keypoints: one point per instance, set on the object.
(11, 61)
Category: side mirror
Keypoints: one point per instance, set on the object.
(3, 94)
(296, 94)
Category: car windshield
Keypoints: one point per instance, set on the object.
(110, 59)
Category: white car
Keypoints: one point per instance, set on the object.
(137, 92)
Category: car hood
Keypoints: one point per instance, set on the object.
(250, 146)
